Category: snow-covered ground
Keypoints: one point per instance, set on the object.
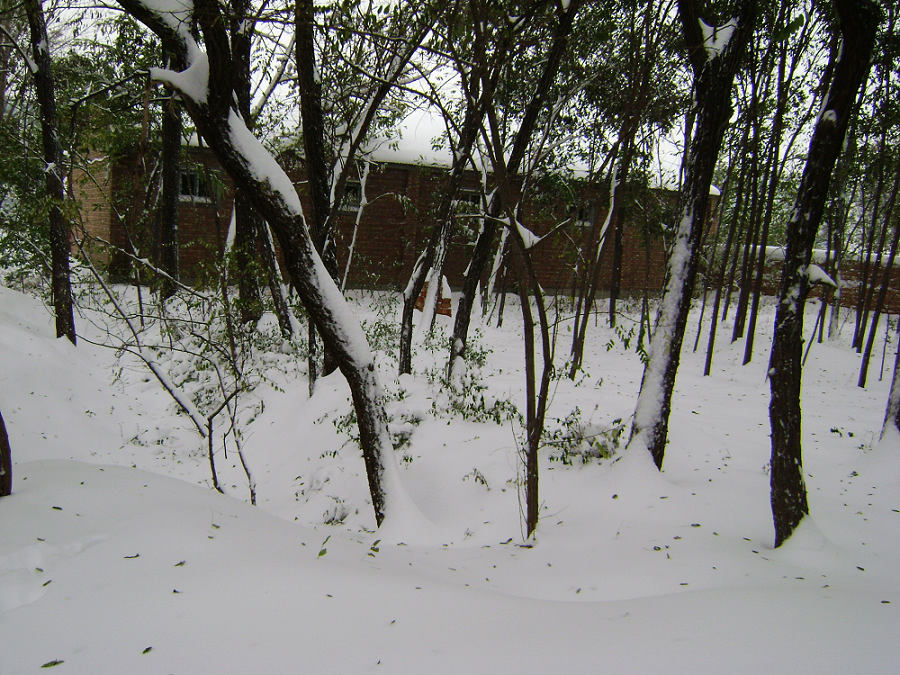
(116, 556)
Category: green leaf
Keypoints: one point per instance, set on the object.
(51, 664)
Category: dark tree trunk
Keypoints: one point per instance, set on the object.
(527, 285)
(314, 135)
(431, 261)
(751, 234)
(245, 160)
(313, 121)
(858, 21)
(892, 414)
(485, 242)
(5, 461)
(713, 79)
(246, 221)
(53, 159)
(885, 281)
(244, 259)
(480, 82)
(270, 261)
(615, 283)
(169, 199)
(772, 173)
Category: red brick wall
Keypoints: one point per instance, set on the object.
(396, 224)
(851, 274)
(91, 190)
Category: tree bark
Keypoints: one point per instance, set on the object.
(246, 220)
(713, 77)
(53, 160)
(885, 280)
(169, 200)
(773, 176)
(431, 261)
(858, 22)
(313, 129)
(6, 474)
(892, 414)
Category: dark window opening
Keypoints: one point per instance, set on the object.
(194, 187)
(468, 202)
(352, 199)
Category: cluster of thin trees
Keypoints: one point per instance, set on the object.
(782, 105)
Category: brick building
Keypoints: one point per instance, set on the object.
(391, 230)
(394, 225)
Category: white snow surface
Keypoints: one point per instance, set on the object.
(716, 38)
(116, 556)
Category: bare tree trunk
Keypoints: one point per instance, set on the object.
(733, 237)
(316, 165)
(752, 233)
(246, 223)
(713, 78)
(169, 199)
(892, 414)
(772, 173)
(54, 164)
(592, 277)
(535, 394)
(273, 274)
(858, 22)
(431, 261)
(885, 282)
(6, 473)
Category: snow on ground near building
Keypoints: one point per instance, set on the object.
(115, 555)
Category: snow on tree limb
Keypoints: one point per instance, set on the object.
(255, 170)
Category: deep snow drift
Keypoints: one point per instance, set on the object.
(116, 556)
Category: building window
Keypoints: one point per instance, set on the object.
(194, 187)
(584, 214)
(352, 199)
(468, 202)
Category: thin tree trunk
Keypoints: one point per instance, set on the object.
(714, 75)
(864, 296)
(879, 252)
(169, 199)
(773, 176)
(316, 165)
(270, 261)
(750, 241)
(250, 304)
(734, 231)
(6, 473)
(885, 283)
(592, 278)
(858, 22)
(536, 395)
(892, 414)
(429, 266)
(53, 160)
(253, 168)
